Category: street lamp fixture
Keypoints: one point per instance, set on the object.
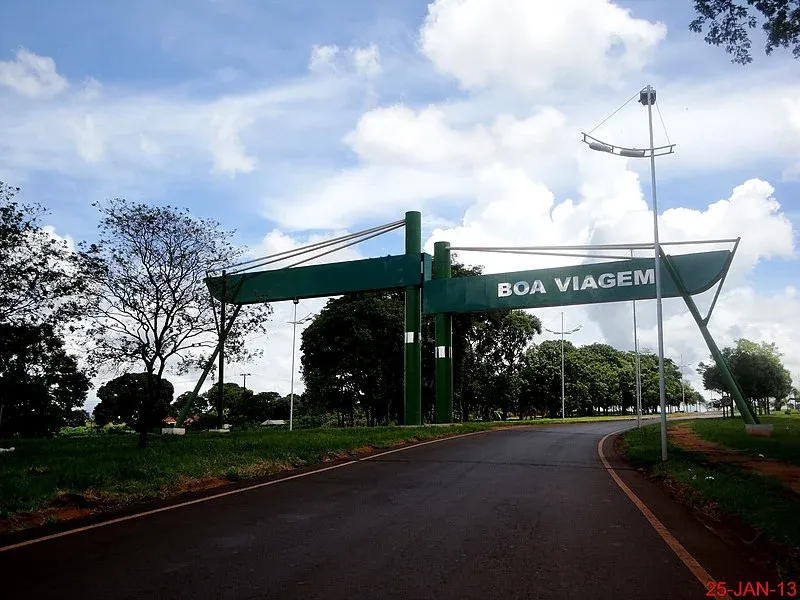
(294, 323)
(244, 380)
(563, 333)
(647, 97)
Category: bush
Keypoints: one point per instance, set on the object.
(205, 422)
(75, 431)
(115, 429)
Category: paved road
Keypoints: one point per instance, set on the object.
(520, 513)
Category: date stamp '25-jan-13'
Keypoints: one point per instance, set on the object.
(752, 589)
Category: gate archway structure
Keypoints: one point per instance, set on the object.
(624, 279)
(429, 288)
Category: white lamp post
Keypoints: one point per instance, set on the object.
(563, 333)
(638, 367)
(647, 97)
(294, 323)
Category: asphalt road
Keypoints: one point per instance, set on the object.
(520, 513)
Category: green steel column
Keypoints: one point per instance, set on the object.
(727, 376)
(222, 352)
(413, 354)
(444, 341)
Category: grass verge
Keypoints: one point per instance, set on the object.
(106, 472)
(759, 501)
(783, 445)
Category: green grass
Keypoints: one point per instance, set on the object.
(760, 501)
(112, 471)
(784, 445)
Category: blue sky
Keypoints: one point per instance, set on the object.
(219, 106)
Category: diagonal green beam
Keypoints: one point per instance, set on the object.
(722, 365)
(209, 365)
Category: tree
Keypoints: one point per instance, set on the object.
(757, 368)
(120, 401)
(200, 405)
(42, 281)
(728, 23)
(43, 291)
(505, 338)
(77, 418)
(353, 358)
(154, 307)
(41, 383)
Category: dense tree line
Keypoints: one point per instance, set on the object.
(352, 366)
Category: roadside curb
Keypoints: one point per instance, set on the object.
(720, 555)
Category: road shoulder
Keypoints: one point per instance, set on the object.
(718, 546)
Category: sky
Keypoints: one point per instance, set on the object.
(291, 121)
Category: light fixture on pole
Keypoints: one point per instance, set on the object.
(294, 323)
(244, 380)
(563, 333)
(647, 97)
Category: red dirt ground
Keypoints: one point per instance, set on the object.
(687, 439)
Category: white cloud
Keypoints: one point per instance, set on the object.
(230, 156)
(32, 75)
(322, 58)
(88, 141)
(363, 61)
(533, 45)
(367, 61)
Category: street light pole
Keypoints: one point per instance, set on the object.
(294, 322)
(649, 97)
(563, 413)
(244, 380)
(291, 393)
(683, 389)
(563, 403)
(638, 367)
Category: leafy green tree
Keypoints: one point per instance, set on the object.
(243, 407)
(504, 340)
(729, 21)
(353, 358)
(77, 418)
(121, 401)
(541, 377)
(756, 367)
(44, 290)
(42, 281)
(42, 385)
(154, 306)
(201, 405)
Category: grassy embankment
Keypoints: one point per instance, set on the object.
(760, 501)
(107, 471)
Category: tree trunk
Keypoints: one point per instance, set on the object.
(144, 408)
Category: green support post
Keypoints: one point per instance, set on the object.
(443, 412)
(727, 376)
(413, 346)
(190, 402)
